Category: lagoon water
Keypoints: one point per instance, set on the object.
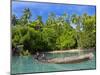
(26, 64)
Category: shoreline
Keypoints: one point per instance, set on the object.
(69, 50)
(62, 51)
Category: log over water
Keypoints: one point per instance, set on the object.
(72, 59)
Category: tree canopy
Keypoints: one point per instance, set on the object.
(56, 34)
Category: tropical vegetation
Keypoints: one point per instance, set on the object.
(57, 33)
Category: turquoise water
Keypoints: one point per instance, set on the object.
(26, 64)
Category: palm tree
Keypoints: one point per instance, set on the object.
(77, 20)
(26, 15)
(65, 17)
(14, 19)
(39, 20)
(51, 19)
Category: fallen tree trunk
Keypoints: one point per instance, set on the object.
(72, 59)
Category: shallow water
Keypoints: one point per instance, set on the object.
(26, 64)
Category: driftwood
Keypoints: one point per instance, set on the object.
(72, 59)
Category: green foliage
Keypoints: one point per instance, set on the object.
(88, 35)
(66, 40)
(56, 34)
(26, 16)
(86, 30)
